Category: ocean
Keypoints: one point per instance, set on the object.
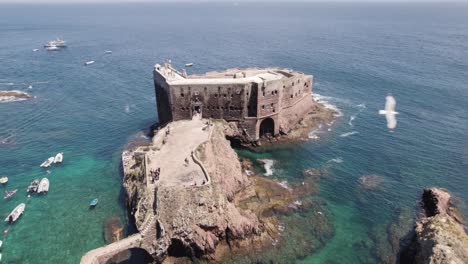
(358, 53)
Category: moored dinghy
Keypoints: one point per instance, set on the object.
(33, 186)
(43, 186)
(47, 163)
(58, 158)
(3, 180)
(16, 213)
(9, 193)
(93, 202)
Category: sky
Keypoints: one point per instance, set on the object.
(124, 1)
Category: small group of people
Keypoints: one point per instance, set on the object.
(155, 174)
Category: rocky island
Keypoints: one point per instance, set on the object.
(188, 192)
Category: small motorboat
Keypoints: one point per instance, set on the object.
(47, 163)
(189, 65)
(9, 194)
(35, 50)
(52, 48)
(43, 186)
(56, 43)
(58, 158)
(88, 62)
(93, 202)
(16, 213)
(108, 51)
(3, 180)
(32, 188)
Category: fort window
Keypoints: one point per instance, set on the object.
(271, 104)
(292, 84)
(297, 81)
(263, 106)
(276, 91)
(284, 86)
(272, 93)
(182, 94)
(216, 95)
(292, 96)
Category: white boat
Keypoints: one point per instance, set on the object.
(47, 163)
(35, 50)
(89, 62)
(30, 86)
(58, 158)
(52, 48)
(16, 213)
(108, 51)
(189, 65)
(43, 186)
(1, 243)
(57, 43)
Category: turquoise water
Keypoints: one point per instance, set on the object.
(358, 53)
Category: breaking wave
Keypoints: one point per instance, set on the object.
(325, 100)
(268, 165)
(351, 118)
(349, 134)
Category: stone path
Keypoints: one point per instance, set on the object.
(183, 138)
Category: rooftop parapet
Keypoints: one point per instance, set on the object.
(229, 76)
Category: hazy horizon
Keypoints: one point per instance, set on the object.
(221, 1)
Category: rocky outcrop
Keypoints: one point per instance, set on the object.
(190, 222)
(9, 96)
(439, 236)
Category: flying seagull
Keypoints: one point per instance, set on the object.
(389, 112)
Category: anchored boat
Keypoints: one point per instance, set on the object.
(88, 62)
(16, 213)
(189, 65)
(32, 188)
(4, 180)
(9, 194)
(47, 163)
(58, 158)
(59, 43)
(93, 202)
(43, 186)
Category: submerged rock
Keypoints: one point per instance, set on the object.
(370, 182)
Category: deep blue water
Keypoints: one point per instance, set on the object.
(358, 53)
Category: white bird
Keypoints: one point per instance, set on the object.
(389, 112)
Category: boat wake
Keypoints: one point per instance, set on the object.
(349, 134)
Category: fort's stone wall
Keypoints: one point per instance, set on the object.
(279, 101)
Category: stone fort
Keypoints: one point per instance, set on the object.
(262, 102)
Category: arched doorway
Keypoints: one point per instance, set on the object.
(267, 127)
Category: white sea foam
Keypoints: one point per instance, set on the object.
(9, 83)
(284, 184)
(351, 119)
(268, 165)
(325, 100)
(127, 108)
(349, 134)
(336, 160)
